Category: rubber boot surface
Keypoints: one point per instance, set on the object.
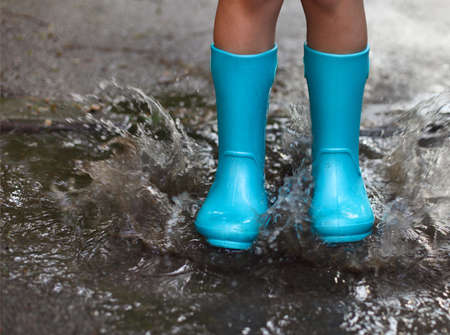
(340, 210)
(230, 215)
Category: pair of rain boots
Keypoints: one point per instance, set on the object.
(340, 210)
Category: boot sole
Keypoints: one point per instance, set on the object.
(345, 238)
(230, 244)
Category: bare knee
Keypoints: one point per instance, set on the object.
(255, 7)
(329, 6)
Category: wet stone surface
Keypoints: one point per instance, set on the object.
(100, 179)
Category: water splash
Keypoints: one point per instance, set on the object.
(151, 189)
(408, 184)
(143, 191)
(416, 220)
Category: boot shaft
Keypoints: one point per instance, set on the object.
(336, 87)
(242, 84)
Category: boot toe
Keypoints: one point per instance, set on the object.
(233, 228)
(339, 228)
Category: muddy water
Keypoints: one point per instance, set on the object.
(99, 189)
(98, 237)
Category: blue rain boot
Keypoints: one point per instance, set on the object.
(340, 209)
(230, 215)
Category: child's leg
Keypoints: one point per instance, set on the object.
(336, 63)
(246, 26)
(243, 63)
(336, 26)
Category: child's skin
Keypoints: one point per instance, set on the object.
(248, 26)
(340, 209)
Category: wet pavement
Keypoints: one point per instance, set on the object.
(54, 48)
(98, 193)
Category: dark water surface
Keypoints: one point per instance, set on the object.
(99, 189)
(98, 237)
